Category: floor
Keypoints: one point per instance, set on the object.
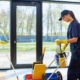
(2, 75)
(9, 74)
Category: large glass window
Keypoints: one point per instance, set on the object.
(26, 34)
(54, 29)
(4, 33)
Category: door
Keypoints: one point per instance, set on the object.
(27, 33)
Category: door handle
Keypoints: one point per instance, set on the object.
(14, 41)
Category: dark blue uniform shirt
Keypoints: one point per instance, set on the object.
(74, 31)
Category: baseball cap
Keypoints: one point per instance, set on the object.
(64, 12)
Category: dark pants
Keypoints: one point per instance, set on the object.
(74, 67)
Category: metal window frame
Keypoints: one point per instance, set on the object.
(38, 33)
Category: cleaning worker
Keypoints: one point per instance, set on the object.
(73, 37)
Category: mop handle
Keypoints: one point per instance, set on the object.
(50, 64)
(11, 63)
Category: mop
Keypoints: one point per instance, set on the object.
(4, 42)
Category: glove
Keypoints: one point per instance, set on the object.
(58, 42)
(65, 41)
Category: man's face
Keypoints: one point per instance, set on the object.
(66, 18)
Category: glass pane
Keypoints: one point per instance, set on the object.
(26, 34)
(4, 34)
(54, 29)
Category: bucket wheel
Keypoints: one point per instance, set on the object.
(59, 75)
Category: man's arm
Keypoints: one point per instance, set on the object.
(73, 40)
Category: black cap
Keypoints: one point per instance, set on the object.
(64, 12)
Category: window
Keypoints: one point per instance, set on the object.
(4, 33)
(54, 29)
